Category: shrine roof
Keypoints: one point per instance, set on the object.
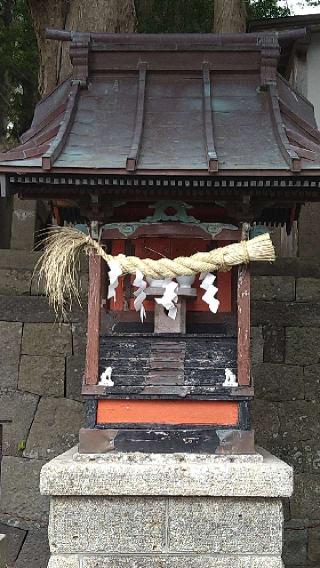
(189, 104)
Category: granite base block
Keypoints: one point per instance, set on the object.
(165, 561)
(160, 511)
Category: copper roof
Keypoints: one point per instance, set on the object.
(199, 104)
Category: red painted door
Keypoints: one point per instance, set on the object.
(155, 248)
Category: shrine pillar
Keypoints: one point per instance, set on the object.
(134, 510)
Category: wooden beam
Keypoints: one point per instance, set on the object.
(174, 230)
(290, 156)
(133, 156)
(212, 158)
(57, 146)
(243, 301)
(94, 307)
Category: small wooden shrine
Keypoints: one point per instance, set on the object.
(164, 146)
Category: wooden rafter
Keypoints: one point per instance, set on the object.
(302, 141)
(133, 156)
(50, 117)
(290, 156)
(212, 157)
(303, 124)
(57, 146)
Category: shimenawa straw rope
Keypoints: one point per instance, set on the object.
(60, 262)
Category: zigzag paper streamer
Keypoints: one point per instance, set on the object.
(169, 298)
(140, 294)
(211, 290)
(114, 273)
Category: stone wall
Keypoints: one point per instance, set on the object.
(286, 370)
(41, 368)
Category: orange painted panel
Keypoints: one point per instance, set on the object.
(168, 412)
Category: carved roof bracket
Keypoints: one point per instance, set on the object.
(212, 158)
(79, 55)
(270, 53)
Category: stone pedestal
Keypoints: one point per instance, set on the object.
(165, 511)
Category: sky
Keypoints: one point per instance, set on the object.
(299, 7)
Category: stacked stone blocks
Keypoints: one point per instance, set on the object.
(39, 402)
(286, 317)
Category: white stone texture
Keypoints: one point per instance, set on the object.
(165, 511)
(261, 475)
(107, 524)
(180, 525)
(225, 525)
(164, 561)
(64, 561)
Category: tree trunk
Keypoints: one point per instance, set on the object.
(76, 15)
(229, 16)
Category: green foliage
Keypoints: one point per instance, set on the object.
(170, 16)
(261, 9)
(174, 16)
(18, 68)
(21, 446)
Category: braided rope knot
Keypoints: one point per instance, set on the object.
(59, 262)
(222, 258)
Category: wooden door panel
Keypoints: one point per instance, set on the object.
(155, 248)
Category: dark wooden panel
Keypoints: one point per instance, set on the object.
(141, 362)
